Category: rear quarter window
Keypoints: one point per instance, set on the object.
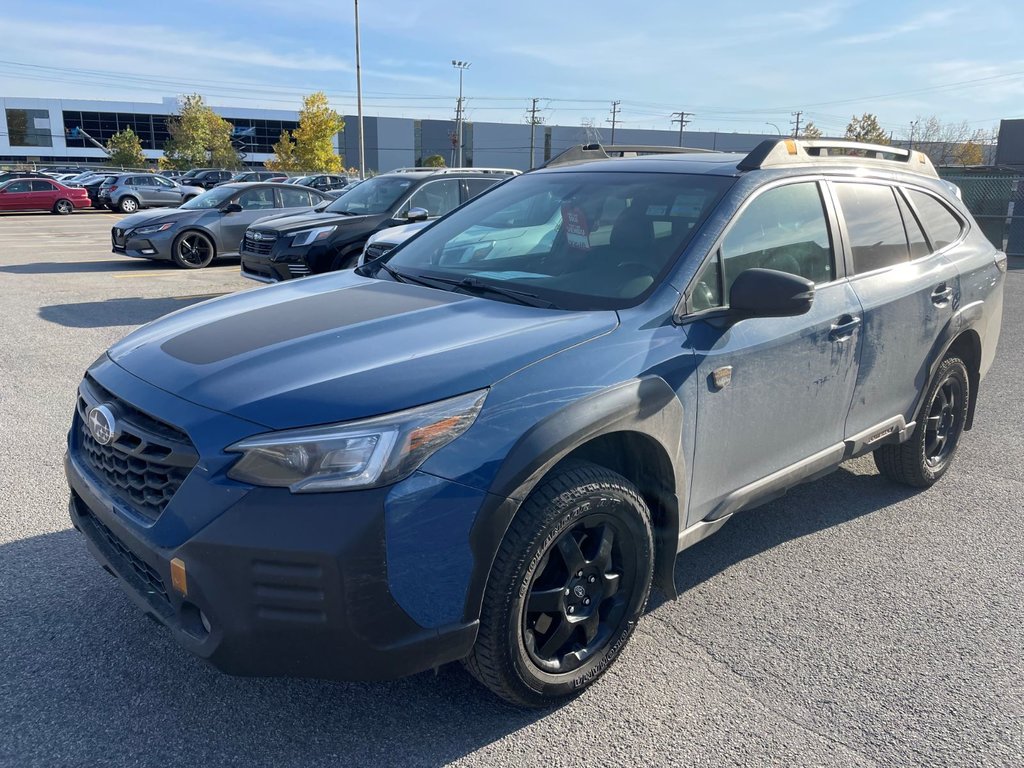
(941, 225)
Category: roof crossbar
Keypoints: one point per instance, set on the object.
(785, 153)
(585, 153)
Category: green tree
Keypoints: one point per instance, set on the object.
(866, 128)
(199, 136)
(310, 147)
(434, 161)
(811, 131)
(125, 149)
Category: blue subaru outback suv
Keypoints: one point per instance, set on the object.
(489, 444)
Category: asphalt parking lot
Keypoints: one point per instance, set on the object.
(853, 622)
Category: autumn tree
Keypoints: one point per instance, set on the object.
(948, 143)
(199, 136)
(811, 131)
(866, 129)
(310, 147)
(434, 161)
(125, 149)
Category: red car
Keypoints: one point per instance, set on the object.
(41, 195)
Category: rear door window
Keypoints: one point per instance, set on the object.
(475, 186)
(941, 225)
(42, 186)
(437, 197)
(874, 224)
(915, 235)
(294, 198)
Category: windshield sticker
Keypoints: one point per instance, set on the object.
(577, 229)
(656, 210)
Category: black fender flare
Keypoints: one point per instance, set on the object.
(963, 319)
(648, 406)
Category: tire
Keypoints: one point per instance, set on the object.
(546, 631)
(63, 207)
(127, 204)
(192, 250)
(344, 261)
(188, 197)
(923, 459)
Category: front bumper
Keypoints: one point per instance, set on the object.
(140, 246)
(288, 585)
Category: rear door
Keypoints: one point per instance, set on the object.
(773, 391)
(473, 187)
(44, 194)
(907, 293)
(165, 192)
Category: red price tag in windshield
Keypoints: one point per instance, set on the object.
(577, 229)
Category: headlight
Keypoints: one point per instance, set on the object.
(153, 229)
(308, 236)
(357, 454)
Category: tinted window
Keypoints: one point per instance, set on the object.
(294, 198)
(259, 199)
(581, 240)
(915, 235)
(785, 229)
(877, 237)
(437, 197)
(476, 186)
(19, 186)
(942, 226)
(374, 196)
(42, 186)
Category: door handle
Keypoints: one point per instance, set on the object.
(844, 327)
(941, 295)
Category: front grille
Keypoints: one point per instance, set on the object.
(376, 250)
(144, 466)
(130, 566)
(261, 247)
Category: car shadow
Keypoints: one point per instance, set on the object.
(89, 680)
(112, 312)
(838, 498)
(72, 267)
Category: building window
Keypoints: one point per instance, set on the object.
(29, 128)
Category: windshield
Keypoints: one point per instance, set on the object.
(376, 195)
(191, 174)
(215, 198)
(578, 240)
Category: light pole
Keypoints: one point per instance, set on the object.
(359, 101)
(462, 66)
(773, 125)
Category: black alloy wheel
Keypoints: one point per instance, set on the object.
(567, 587)
(579, 597)
(192, 250)
(923, 459)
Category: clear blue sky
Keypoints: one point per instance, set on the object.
(736, 65)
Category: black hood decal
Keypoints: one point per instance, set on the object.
(268, 325)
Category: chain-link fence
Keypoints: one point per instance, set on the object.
(996, 200)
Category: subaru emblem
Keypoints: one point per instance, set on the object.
(102, 424)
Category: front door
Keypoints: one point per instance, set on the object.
(257, 203)
(773, 391)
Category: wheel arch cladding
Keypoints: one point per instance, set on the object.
(634, 428)
(967, 346)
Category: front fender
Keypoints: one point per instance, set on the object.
(647, 406)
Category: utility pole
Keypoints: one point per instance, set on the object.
(614, 119)
(462, 66)
(913, 130)
(796, 123)
(683, 118)
(359, 101)
(534, 122)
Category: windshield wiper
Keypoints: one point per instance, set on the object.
(472, 285)
(401, 277)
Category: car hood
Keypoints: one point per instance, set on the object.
(296, 222)
(158, 216)
(342, 347)
(397, 235)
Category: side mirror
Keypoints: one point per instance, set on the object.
(770, 293)
(417, 214)
(231, 208)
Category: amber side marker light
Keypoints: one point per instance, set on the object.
(178, 578)
(790, 146)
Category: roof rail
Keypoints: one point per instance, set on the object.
(585, 153)
(431, 169)
(782, 153)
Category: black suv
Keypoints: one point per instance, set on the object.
(331, 239)
(207, 178)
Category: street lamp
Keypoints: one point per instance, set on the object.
(462, 66)
(359, 101)
(773, 125)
